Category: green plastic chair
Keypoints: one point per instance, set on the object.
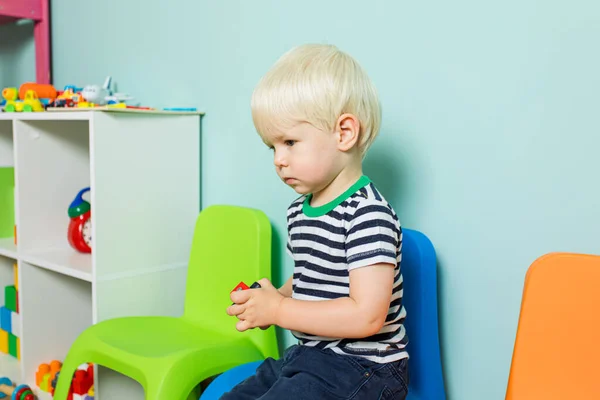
(170, 356)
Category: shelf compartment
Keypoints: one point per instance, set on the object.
(54, 165)
(7, 189)
(55, 309)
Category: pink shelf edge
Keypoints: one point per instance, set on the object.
(38, 11)
(23, 9)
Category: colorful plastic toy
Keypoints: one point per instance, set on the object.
(82, 384)
(21, 392)
(243, 286)
(30, 103)
(69, 97)
(80, 227)
(96, 95)
(43, 91)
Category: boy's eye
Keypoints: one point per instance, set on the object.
(290, 142)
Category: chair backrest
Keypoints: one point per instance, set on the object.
(419, 271)
(557, 345)
(230, 244)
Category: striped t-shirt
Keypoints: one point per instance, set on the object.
(357, 229)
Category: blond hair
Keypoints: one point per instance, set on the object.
(316, 83)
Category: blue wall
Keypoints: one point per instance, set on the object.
(17, 55)
(489, 140)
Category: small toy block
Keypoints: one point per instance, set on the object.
(15, 323)
(13, 345)
(90, 370)
(17, 299)
(10, 297)
(79, 396)
(45, 384)
(82, 382)
(18, 348)
(243, 286)
(5, 319)
(55, 367)
(42, 370)
(240, 286)
(16, 276)
(3, 341)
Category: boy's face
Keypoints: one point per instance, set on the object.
(306, 158)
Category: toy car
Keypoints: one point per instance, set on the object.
(31, 102)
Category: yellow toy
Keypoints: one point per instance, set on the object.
(31, 102)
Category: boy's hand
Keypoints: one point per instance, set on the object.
(256, 307)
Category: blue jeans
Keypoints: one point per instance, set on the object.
(313, 374)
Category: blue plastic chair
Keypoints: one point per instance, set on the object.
(419, 270)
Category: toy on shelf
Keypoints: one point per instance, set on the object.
(21, 392)
(82, 384)
(30, 96)
(30, 102)
(80, 227)
(68, 97)
(46, 374)
(10, 319)
(33, 96)
(96, 95)
(43, 91)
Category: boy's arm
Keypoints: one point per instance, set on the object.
(286, 288)
(361, 314)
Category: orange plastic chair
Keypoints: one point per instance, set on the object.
(557, 347)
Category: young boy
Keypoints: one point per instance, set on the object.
(319, 113)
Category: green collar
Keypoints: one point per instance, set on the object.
(312, 212)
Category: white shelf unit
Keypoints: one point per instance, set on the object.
(143, 169)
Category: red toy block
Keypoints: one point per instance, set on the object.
(82, 382)
(90, 371)
(240, 286)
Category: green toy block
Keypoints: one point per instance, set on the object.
(13, 345)
(10, 297)
(7, 202)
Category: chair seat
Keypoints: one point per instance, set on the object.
(153, 337)
(164, 354)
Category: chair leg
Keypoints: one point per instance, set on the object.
(66, 376)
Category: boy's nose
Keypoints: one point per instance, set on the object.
(279, 161)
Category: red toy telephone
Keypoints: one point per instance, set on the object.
(80, 227)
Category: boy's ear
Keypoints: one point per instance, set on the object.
(348, 131)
